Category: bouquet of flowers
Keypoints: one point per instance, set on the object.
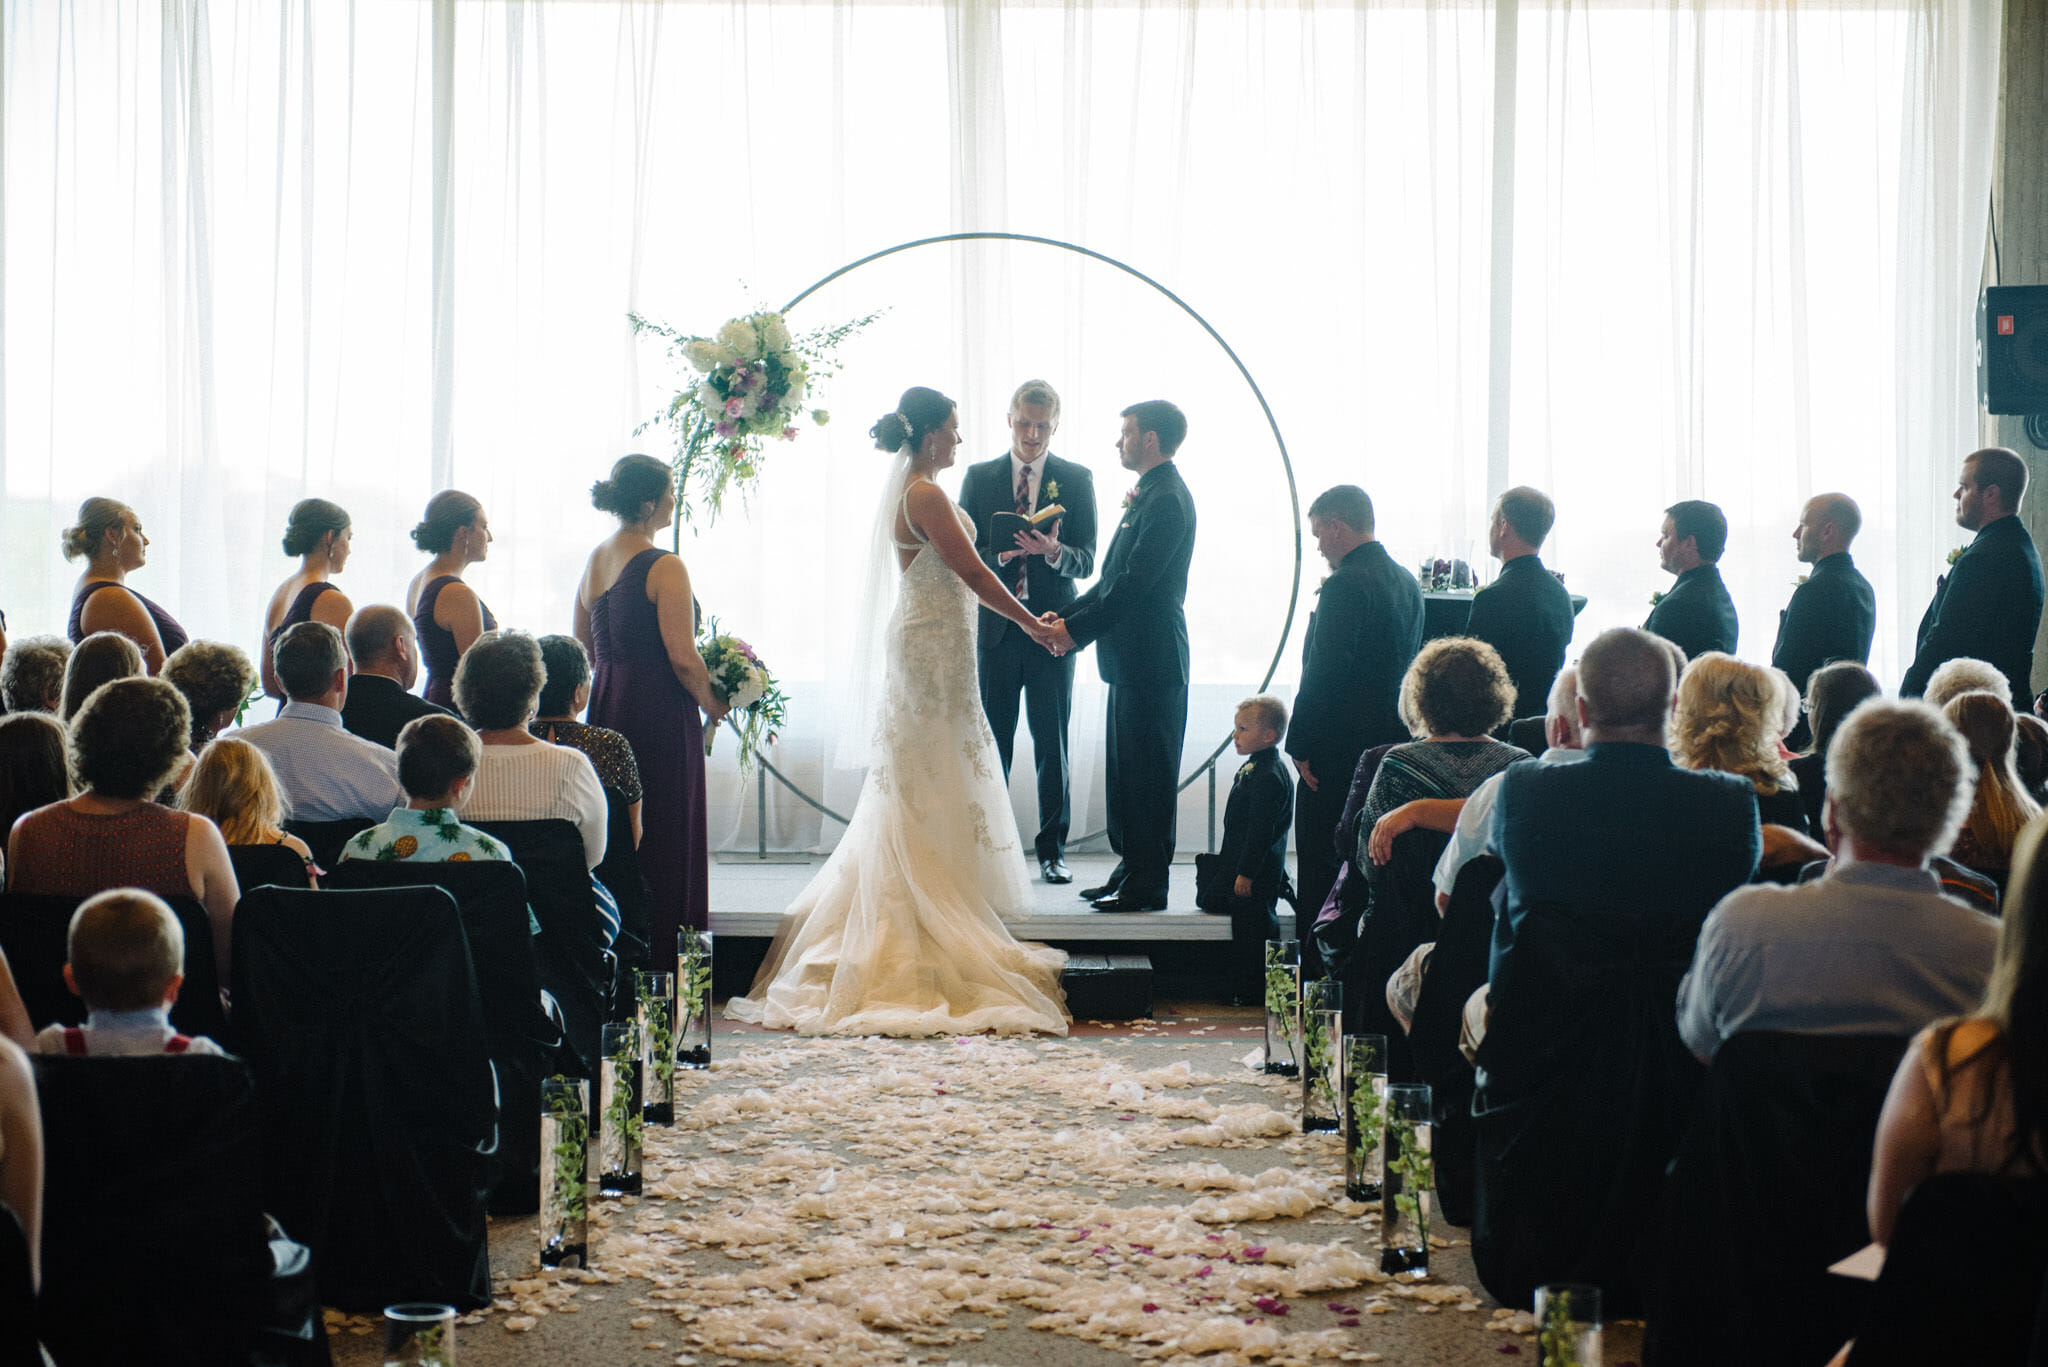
(739, 678)
(754, 379)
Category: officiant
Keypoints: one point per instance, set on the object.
(1040, 566)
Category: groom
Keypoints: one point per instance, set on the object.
(1135, 612)
(1040, 569)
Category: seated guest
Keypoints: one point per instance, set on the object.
(327, 774)
(1789, 710)
(1696, 614)
(21, 1150)
(387, 659)
(1872, 946)
(1611, 866)
(317, 532)
(1953, 678)
(234, 787)
(127, 960)
(126, 742)
(437, 762)
(2030, 754)
(216, 680)
(1971, 1095)
(32, 769)
(521, 777)
(1831, 694)
(109, 535)
(1727, 719)
(99, 658)
(1453, 696)
(2002, 807)
(32, 674)
(562, 700)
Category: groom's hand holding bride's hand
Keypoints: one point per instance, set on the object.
(1052, 634)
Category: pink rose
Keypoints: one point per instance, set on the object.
(789, 434)
(734, 407)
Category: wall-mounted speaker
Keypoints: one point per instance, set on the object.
(2012, 349)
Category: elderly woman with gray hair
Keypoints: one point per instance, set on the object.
(522, 777)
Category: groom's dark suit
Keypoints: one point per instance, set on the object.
(1009, 660)
(1134, 615)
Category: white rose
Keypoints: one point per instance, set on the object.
(738, 336)
(774, 333)
(701, 353)
(748, 693)
(708, 395)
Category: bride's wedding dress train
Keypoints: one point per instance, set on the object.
(901, 932)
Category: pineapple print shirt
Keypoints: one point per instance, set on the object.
(433, 836)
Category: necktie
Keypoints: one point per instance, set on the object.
(1023, 589)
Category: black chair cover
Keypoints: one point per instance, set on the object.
(267, 865)
(1963, 1277)
(1529, 733)
(571, 948)
(491, 898)
(153, 1232)
(373, 1070)
(1767, 1190)
(1584, 1089)
(620, 871)
(1400, 915)
(1457, 969)
(325, 838)
(33, 932)
(18, 1346)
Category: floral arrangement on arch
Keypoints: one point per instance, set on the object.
(755, 376)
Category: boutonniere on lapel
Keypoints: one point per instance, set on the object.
(1323, 584)
(1955, 555)
(1800, 580)
(1130, 496)
(1243, 769)
(1052, 488)
(1655, 599)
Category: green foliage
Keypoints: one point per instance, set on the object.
(622, 1108)
(1367, 1119)
(1417, 1171)
(569, 1158)
(694, 967)
(1557, 1337)
(1319, 1061)
(661, 1038)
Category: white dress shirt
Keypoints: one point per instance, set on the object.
(327, 773)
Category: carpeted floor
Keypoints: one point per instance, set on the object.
(1133, 1194)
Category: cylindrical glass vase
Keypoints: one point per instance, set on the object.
(693, 998)
(1404, 1195)
(655, 993)
(564, 1172)
(1322, 1058)
(419, 1335)
(1568, 1326)
(619, 1120)
(1283, 1007)
(1365, 1115)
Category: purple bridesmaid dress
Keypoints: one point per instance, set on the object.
(635, 691)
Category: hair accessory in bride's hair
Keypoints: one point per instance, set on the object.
(904, 418)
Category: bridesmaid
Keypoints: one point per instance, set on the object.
(446, 612)
(109, 535)
(318, 533)
(635, 615)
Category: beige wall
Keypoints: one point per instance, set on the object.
(2022, 201)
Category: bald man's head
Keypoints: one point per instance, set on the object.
(381, 641)
(1827, 524)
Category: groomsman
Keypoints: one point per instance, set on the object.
(1362, 635)
(1988, 606)
(1135, 613)
(1525, 614)
(1040, 568)
(1833, 612)
(1696, 615)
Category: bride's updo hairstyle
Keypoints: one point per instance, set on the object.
(448, 512)
(917, 413)
(636, 481)
(311, 519)
(96, 517)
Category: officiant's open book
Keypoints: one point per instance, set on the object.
(1004, 528)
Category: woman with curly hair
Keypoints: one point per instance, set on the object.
(2002, 806)
(1453, 696)
(215, 679)
(234, 787)
(1727, 718)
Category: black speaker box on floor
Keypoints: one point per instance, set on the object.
(2012, 349)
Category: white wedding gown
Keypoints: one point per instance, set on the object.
(901, 933)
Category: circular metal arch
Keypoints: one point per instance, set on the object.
(1280, 442)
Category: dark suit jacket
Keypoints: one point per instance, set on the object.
(1697, 614)
(1988, 607)
(1362, 636)
(1135, 611)
(377, 709)
(1831, 617)
(1526, 615)
(986, 489)
(1257, 819)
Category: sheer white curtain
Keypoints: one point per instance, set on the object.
(1627, 252)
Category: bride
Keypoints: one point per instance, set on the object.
(901, 933)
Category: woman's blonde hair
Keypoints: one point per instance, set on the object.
(96, 517)
(1727, 719)
(2002, 807)
(234, 787)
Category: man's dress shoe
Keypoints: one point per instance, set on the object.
(1054, 870)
